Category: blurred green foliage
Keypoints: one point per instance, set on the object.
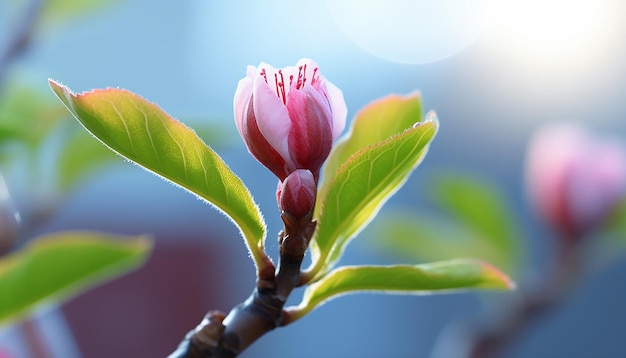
(55, 267)
(46, 155)
(475, 221)
(615, 227)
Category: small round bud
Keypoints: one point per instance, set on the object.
(296, 194)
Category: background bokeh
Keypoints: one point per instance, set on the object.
(493, 79)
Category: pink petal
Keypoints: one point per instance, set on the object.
(242, 96)
(310, 137)
(549, 161)
(311, 69)
(338, 108)
(298, 192)
(598, 180)
(251, 72)
(310, 64)
(259, 147)
(272, 117)
(268, 68)
(334, 95)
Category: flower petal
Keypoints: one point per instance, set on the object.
(272, 117)
(338, 107)
(598, 180)
(309, 139)
(241, 99)
(252, 72)
(306, 61)
(551, 153)
(258, 146)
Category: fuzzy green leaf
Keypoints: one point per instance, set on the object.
(145, 134)
(56, 267)
(444, 276)
(376, 122)
(361, 186)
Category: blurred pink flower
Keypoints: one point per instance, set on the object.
(574, 179)
(5, 353)
(289, 117)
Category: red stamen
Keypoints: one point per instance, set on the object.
(264, 74)
(280, 86)
(315, 76)
(300, 76)
(276, 82)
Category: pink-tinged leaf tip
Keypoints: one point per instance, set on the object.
(499, 276)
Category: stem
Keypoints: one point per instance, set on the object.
(37, 347)
(307, 275)
(225, 336)
(544, 296)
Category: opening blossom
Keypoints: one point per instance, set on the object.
(289, 117)
(574, 179)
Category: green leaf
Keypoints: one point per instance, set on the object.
(145, 134)
(444, 276)
(27, 116)
(423, 237)
(482, 209)
(361, 186)
(55, 267)
(376, 122)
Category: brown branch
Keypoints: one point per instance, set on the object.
(543, 296)
(221, 336)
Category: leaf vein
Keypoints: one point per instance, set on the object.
(121, 117)
(146, 122)
(180, 148)
(204, 170)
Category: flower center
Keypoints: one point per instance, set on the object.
(279, 80)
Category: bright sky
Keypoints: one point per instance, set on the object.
(421, 31)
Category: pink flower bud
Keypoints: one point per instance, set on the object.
(289, 117)
(573, 179)
(296, 194)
